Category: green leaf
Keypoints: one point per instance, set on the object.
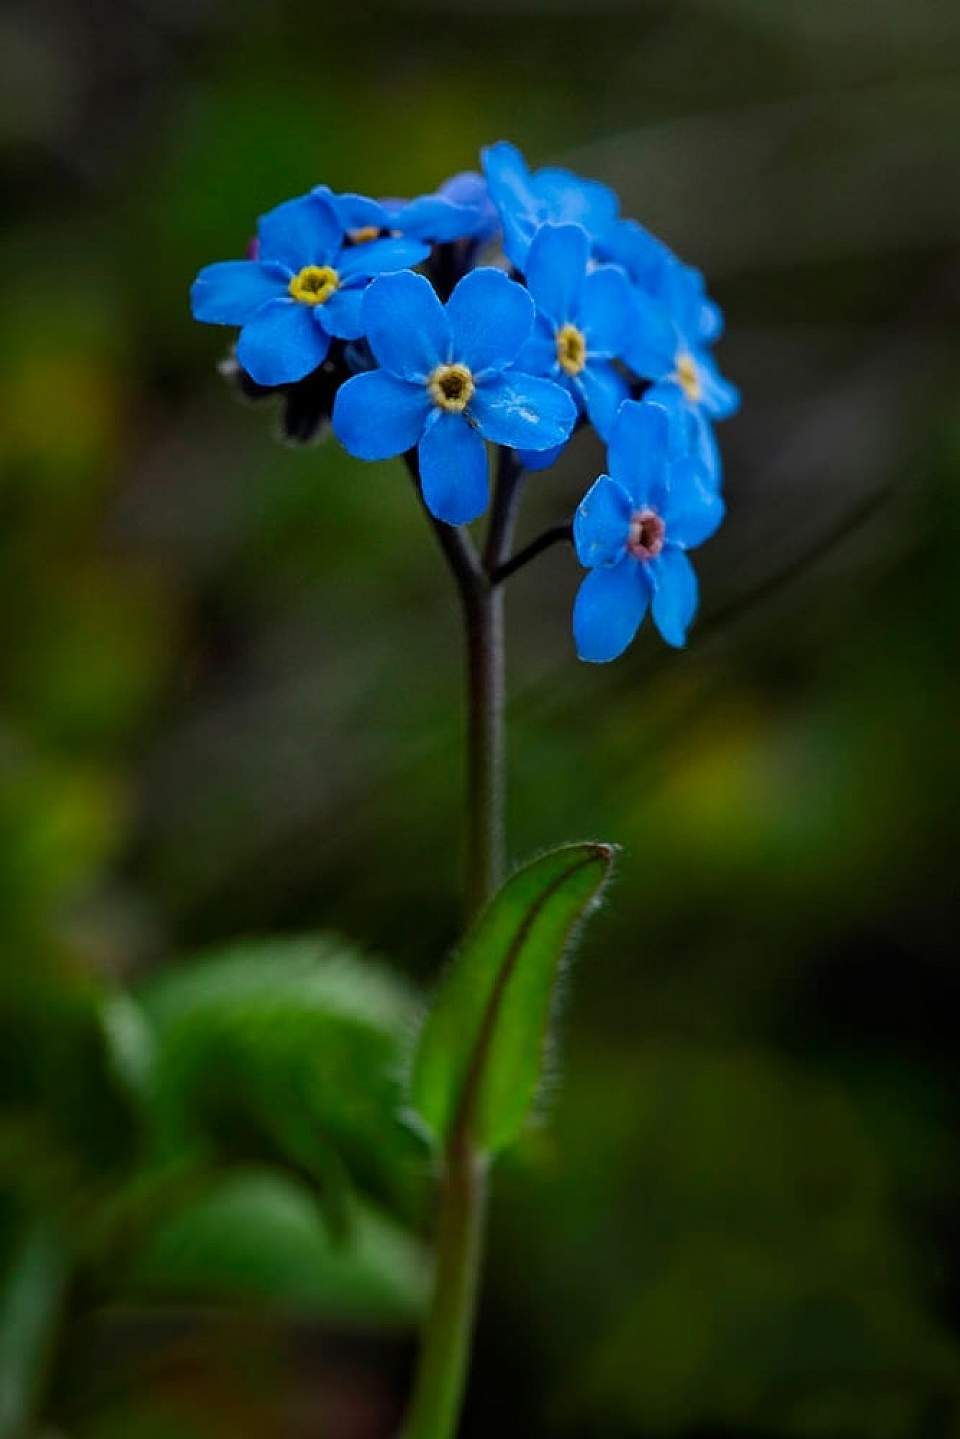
(259, 1236)
(480, 1054)
(288, 1051)
(31, 1299)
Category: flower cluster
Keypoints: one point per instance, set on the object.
(512, 307)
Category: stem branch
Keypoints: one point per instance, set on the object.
(558, 535)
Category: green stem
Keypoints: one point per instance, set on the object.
(445, 1350)
(486, 695)
(485, 746)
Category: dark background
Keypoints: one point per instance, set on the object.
(230, 684)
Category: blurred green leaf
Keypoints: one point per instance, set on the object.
(262, 1236)
(31, 1298)
(288, 1050)
(482, 1043)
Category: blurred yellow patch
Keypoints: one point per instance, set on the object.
(59, 417)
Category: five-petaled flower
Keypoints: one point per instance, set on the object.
(526, 200)
(632, 531)
(673, 325)
(304, 287)
(583, 318)
(445, 385)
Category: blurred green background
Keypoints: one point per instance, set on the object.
(229, 707)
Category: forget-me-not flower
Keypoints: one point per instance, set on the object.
(583, 318)
(632, 531)
(444, 385)
(526, 200)
(673, 325)
(304, 287)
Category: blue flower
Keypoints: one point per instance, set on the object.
(442, 387)
(525, 201)
(461, 209)
(632, 531)
(304, 287)
(583, 316)
(673, 324)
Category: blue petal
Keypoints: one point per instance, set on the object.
(692, 508)
(378, 257)
(718, 396)
(674, 594)
(682, 291)
(508, 180)
(602, 523)
(466, 188)
(557, 269)
(650, 343)
(523, 412)
(300, 232)
(432, 217)
(460, 209)
(537, 460)
(641, 254)
(705, 447)
(539, 354)
(469, 191)
(490, 318)
(604, 390)
(566, 196)
(710, 324)
(406, 325)
(610, 603)
(639, 450)
(506, 171)
(691, 432)
(282, 343)
(357, 212)
(453, 469)
(605, 311)
(375, 415)
(681, 415)
(342, 315)
(231, 292)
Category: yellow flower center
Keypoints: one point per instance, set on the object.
(364, 234)
(688, 377)
(451, 387)
(314, 285)
(571, 349)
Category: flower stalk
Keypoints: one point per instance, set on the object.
(378, 317)
(445, 1350)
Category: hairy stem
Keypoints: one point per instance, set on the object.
(485, 747)
(445, 1351)
(482, 605)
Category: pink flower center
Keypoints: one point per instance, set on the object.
(646, 534)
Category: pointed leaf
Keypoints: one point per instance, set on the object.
(480, 1054)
